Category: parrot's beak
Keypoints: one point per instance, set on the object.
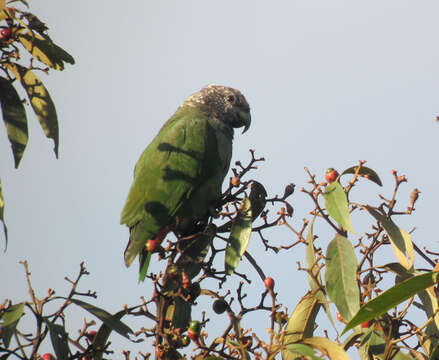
(246, 120)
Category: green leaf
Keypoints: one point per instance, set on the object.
(400, 239)
(435, 353)
(195, 252)
(109, 320)
(179, 313)
(429, 301)
(258, 198)
(2, 215)
(12, 314)
(239, 236)
(40, 100)
(45, 50)
(337, 206)
(59, 338)
(14, 117)
(303, 350)
(11, 317)
(104, 332)
(301, 323)
(144, 260)
(340, 276)
(315, 282)
(366, 173)
(326, 346)
(392, 297)
(373, 343)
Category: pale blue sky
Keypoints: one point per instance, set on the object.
(328, 82)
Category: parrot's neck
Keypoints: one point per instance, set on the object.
(222, 126)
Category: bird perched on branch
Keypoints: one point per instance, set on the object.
(178, 177)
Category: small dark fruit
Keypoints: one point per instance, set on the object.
(219, 306)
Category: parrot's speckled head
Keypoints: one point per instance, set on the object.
(224, 103)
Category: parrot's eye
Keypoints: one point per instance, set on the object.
(231, 99)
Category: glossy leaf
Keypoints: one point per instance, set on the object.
(400, 239)
(14, 116)
(337, 206)
(340, 276)
(239, 237)
(40, 100)
(366, 172)
(257, 197)
(301, 323)
(392, 297)
(58, 337)
(109, 320)
(326, 346)
(45, 50)
(2, 214)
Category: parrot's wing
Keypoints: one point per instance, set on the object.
(178, 161)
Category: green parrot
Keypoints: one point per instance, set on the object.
(178, 178)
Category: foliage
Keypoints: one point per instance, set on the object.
(346, 272)
(26, 48)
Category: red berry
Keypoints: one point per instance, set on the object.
(366, 324)
(91, 335)
(331, 175)
(5, 34)
(11, 11)
(193, 335)
(153, 245)
(48, 356)
(339, 317)
(185, 280)
(235, 181)
(269, 283)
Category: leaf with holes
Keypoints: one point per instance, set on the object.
(45, 50)
(40, 100)
(59, 339)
